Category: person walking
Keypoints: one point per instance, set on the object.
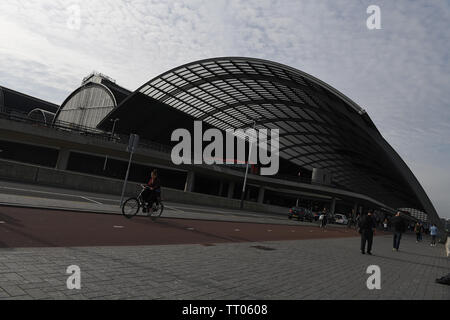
(399, 226)
(385, 224)
(433, 234)
(367, 226)
(323, 218)
(418, 231)
(349, 221)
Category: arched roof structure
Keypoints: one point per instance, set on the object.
(86, 106)
(319, 126)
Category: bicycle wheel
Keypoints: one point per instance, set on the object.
(156, 213)
(131, 207)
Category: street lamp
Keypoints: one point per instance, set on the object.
(246, 168)
(111, 138)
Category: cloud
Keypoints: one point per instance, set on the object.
(399, 74)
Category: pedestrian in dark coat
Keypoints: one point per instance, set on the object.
(367, 226)
(399, 226)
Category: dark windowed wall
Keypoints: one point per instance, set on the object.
(91, 164)
(206, 185)
(279, 199)
(28, 153)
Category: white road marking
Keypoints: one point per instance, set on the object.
(174, 208)
(37, 191)
(118, 227)
(213, 211)
(208, 210)
(86, 198)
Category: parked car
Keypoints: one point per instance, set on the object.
(340, 219)
(301, 214)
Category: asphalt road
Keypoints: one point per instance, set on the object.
(24, 227)
(31, 191)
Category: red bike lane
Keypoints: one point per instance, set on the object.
(25, 227)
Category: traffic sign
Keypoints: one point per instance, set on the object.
(133, 143)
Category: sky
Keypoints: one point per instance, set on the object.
(399, 74)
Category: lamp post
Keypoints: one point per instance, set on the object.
(112, 135)
(246, 168)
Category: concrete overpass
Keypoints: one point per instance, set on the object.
(158, 155)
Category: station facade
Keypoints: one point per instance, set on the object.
(330, 151)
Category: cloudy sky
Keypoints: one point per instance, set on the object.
(399, 74)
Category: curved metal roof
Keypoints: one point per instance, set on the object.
(319, 126)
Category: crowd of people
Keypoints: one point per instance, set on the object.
(367, 225)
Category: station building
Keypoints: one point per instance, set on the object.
(331, 153)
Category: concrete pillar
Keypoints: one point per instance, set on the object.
(355, 210)
(333, 205)
(63, 159)
(190, 182)
(261, 194)
(230, 189)
(220, 188)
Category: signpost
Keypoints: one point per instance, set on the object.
(132, 146)
(246, 168)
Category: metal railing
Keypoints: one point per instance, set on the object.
(20, 116)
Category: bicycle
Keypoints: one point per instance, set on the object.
(132, 205)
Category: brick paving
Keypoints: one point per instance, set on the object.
(299, 269)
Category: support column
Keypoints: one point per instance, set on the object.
(230, 189)
(333, 206)
(355, 211)
(261, 194)
(63, 159)
(220, 188)
(190, 182)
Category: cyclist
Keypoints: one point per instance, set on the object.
(152, 192)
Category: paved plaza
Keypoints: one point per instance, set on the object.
(196, 252)
(300, 269)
